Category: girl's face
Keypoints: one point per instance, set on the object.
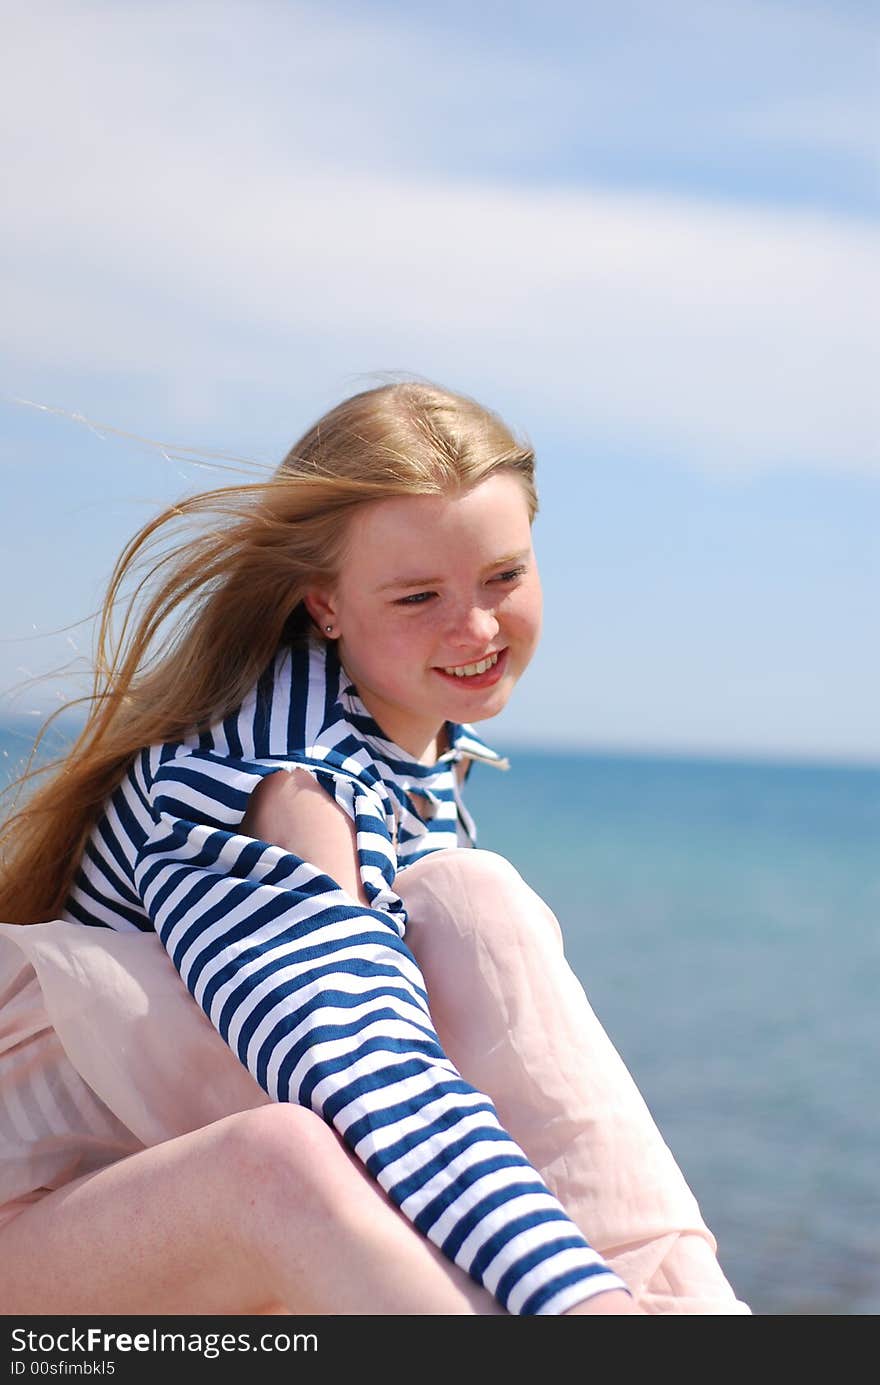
(431, 584)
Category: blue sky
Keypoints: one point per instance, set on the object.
(646, 234)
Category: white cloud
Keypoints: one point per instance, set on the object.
(185, 209)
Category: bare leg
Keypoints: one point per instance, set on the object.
(236, 1205)
(261, 1211)
(516, 1022)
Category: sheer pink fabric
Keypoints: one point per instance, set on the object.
(515, 1020)
(103, 1052)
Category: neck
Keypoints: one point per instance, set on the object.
(436, 748)
(425, 753)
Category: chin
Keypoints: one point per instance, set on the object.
(490, 706)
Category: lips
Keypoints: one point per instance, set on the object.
(477, 680)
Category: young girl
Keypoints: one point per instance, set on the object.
(424, 1116)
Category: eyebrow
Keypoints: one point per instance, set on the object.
(436, 581)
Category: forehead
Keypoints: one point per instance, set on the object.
(495, 511)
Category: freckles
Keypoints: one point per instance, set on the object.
(396, 646)
(433, 622)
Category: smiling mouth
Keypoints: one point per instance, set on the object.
(483, 673)
(470, 670)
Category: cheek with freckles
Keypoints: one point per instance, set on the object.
(388, 655)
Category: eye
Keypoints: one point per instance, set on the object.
(418, 599)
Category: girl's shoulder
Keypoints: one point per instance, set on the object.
(294, 715)
(295, 709)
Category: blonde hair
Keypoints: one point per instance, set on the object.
(210, 609)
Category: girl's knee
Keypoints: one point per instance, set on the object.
(482, 893)
(489, 867)
(472, 865)
(282, 1149)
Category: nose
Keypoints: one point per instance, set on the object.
(473, 630)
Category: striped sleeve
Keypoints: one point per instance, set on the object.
(321, 999)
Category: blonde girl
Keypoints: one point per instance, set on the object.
(385, 1092)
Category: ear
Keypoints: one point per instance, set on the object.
(321, 606)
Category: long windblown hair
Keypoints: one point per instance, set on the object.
(211, 587)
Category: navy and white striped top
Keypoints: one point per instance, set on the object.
(317, 994)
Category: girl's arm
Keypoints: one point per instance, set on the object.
(294, 812)
(321, 999)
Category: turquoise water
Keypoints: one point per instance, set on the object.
(722, 917)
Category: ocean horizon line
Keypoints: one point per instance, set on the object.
(747, 758)
(29, 724)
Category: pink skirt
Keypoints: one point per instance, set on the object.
(103, 1053)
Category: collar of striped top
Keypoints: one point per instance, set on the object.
(463, 739)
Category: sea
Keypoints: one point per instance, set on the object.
(722, 916)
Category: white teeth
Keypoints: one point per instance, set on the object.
(468, 670)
